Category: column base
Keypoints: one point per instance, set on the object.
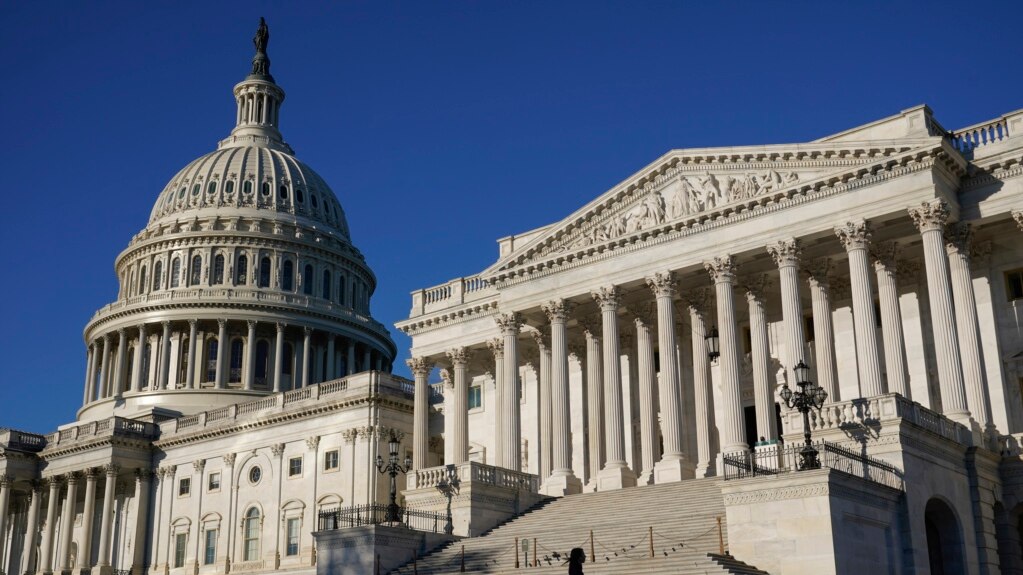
(558, 485)
(102, 570)
(646, 477)
(615, 478)
(673, 470)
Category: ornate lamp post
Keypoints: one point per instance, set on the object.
(449, 487)
(713, 344)
(393, 468)
(810, 396)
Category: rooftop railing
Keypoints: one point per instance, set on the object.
(986, 133)
(774, 461)
(119, 426)
(21, 440)
(452, 293)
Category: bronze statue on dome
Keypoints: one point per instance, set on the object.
(261, 62)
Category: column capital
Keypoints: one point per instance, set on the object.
(721, 268)
(459, 356)
(305, 330)
(92, 472)
(166, 325)
(958, 238)
(496, 347)
(277, 450)
(644, 314)
(198, 465)
(192, 323)
(106, 339)
(592, 326)
(54, 481)
(6, 480)
(73, 477)
(576, 352)
(312, 442)
(229, 459)
(508, 322)
(445, 376)
(854, 235)
(112, 469)
(557, 310)
(607, 297)
(542, 337)
(142, 330)
(755, 286)
(251, 324)
(886, 255)
(143, 474)
(662, 284)
(280, 326)
(785, 252)
(420, 366)
(930, 215)
(1017, 216)
(122, 332)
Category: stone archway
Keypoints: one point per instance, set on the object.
(944, 539)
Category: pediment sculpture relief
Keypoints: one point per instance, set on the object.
(686, 196)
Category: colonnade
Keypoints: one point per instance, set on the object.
(268, 355)
(954, 331)
(49, 530)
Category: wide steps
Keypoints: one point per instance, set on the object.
(684, 518)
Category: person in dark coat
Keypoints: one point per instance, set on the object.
(575, 561)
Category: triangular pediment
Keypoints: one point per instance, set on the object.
(687, 186)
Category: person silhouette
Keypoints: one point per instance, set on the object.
(575, 561)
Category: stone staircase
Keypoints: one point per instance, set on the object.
(685, 534)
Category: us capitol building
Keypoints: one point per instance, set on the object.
(239, 386)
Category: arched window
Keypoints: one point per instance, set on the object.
(341, 289)
(229, 187)
(288, 276)
(247, 187)
(326, 285)
(299, 196)
(264, 273)
(266, 188)
(262, 358)
(175, 273)
(196, 189)
(211, 187)
(235, 375)
(284, 192)
(157, 275)
(252, 524)
(142, 280)
(196, 275)
(242, 273)
(307, 280)
(316, 203)
(218, 269)
(211, 359)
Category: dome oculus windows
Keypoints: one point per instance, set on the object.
(255, 474)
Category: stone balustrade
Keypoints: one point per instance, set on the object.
(861, 412)
(102, 428)
(985, 133)
(362, 384)
(450, 294)
(472, 472)
(12, 439)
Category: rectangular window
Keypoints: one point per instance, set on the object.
(330, 460)
(1014, 284)
(180, 544)
(210, 549)
(213, 483)
(184, 486)
(294, 466)
(475, 396)
(293, 534)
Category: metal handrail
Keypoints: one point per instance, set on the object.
(778, 460)
(377, 514)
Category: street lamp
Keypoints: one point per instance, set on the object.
(713, 344)
(810, 396)
(393, 468)
(448, 486)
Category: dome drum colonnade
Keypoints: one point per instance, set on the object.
(872, 273)
(244, 281)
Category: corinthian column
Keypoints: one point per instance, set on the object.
(786, 256)
(891, 317)
(46, 547)
(763, 390)
(543, 345)
(647, 375)
(278, 358)
(959, 238)
(121, 366)
(703, 395)
(136, 370)
(673, 465)
(104, 370)
(594, 399)
(223, 350)
(307, 352)
(930, 219)
(193, 335)
(6, 481)
(420, 367)
(562, 480)
(823, 329)
(855, 237)
(32, 527)
(616, 473)
(459, 357)
(165, 360)
(733, 436)
(85, 548)
(250, 355)
(107, 516)
(90, 393)
(496, 347)
(67, 522)
(509, 324)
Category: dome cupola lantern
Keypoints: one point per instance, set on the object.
(259, 101)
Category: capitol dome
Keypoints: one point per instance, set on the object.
(244, 282)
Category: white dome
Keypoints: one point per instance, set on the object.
(255, 181)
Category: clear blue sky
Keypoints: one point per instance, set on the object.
(440, 126)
